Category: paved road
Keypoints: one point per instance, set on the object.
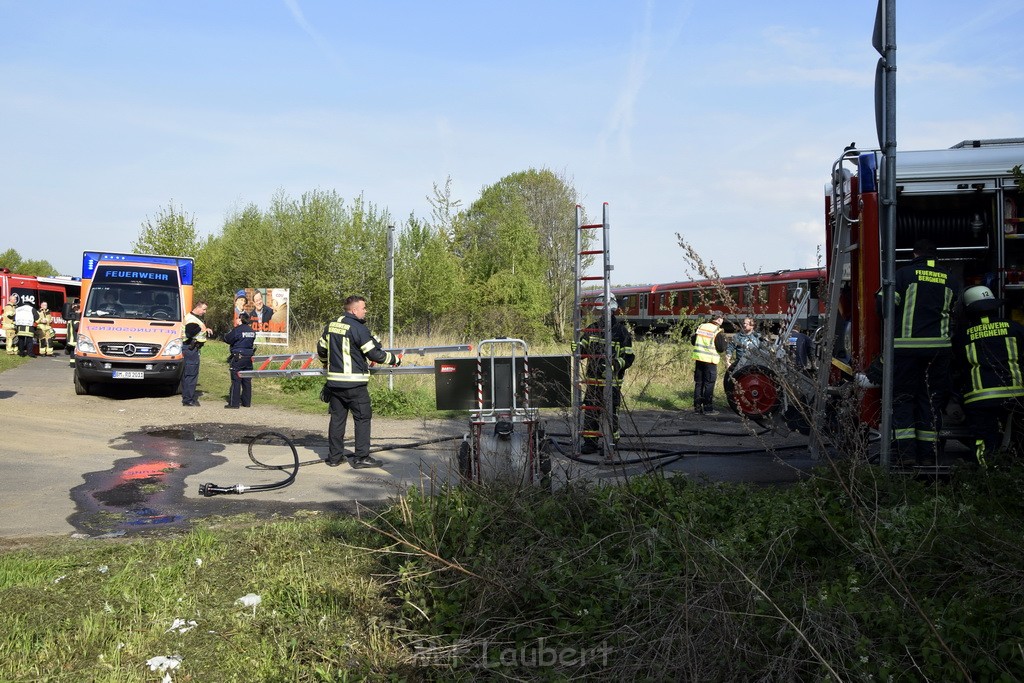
(131, 461)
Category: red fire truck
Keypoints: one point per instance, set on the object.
(55, 291)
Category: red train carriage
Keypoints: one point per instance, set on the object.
(764, 296)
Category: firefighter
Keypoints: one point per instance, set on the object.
(25, 321)
(44, 330)
(926, 294)
(990, 350)
(72, 314)
(242, 342)
(196, 333)
(592, 347)
(346, 349)
(10, 331)
(708, 345)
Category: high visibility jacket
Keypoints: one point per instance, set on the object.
(9, 316)
(991, 350)
(925, 295)
(347, 347)
(707, 344)
(44, 321)
(192, 318)
(592, 346)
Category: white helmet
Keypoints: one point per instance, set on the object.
(613, 303)
(980, 298)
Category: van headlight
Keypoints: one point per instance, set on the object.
(173, 347)
(84, 344)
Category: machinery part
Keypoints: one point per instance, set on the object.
(466, 461)
(754, 392)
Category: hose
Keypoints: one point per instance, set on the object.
(214, 490)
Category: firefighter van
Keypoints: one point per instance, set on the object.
(55, 291)
(131, 329)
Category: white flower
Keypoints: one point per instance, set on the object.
(199, 562)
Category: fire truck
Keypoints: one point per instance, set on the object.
(966, 199)
(55, 291)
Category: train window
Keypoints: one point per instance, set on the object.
(734, 294)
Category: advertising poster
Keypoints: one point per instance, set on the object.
(268, 313)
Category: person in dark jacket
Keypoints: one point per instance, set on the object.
(990, 351)
(346, 348)
(592, 348)
(242, 342)
(196, 335)
(926, 294)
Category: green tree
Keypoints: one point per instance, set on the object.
(13, 261)
(172, 233)
(428, 277)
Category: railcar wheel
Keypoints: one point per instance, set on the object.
(754, 392)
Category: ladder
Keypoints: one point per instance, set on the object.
(583, 310)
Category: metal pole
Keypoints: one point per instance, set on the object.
(391, 295)
(884, 40)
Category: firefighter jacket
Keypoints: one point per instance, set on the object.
(25, 320)
(346, 348)
(242, 341)
(925, 294)
(990, 351)
(708, 343)
(9, 309)
(593, 348)
(44, 324)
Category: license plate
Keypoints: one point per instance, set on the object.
(129, 374)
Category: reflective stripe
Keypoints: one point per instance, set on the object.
(926, 435)
(907, 325)
(972, 358)
(904, 434)
(947, 306)
(347, 377)
(993, 392)
(921, 343)
(1013, 356)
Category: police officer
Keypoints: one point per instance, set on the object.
(925, 297)
(708, 345)
(242, 341)
(346, 349)
(10, 330)
(196, 333)
(592, 348)
(990, 350)
(44, 329)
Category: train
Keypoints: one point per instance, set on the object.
(766, 297)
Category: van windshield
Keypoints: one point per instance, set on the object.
(134, 301)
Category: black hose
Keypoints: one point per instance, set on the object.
(214, 490)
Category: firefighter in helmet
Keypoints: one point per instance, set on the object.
(592, 348)
(990, 351)
(44, 329)
(10, 333)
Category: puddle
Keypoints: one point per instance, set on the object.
(146, 489)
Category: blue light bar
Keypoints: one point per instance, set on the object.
(90, 259)
(867, 167)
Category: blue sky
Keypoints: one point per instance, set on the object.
(719, 121)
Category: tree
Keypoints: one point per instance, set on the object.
(546, 203)
(12, 261)
(172, 234)
(428, 277)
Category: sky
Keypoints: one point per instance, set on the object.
(716, 121)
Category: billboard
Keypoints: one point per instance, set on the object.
(268, 312)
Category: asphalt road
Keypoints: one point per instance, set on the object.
(129, 461)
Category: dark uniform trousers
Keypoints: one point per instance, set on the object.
(704, 377)
(921, 389)
(241, 387)
(342, 400)
(190, 375)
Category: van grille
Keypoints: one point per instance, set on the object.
(129, 349)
